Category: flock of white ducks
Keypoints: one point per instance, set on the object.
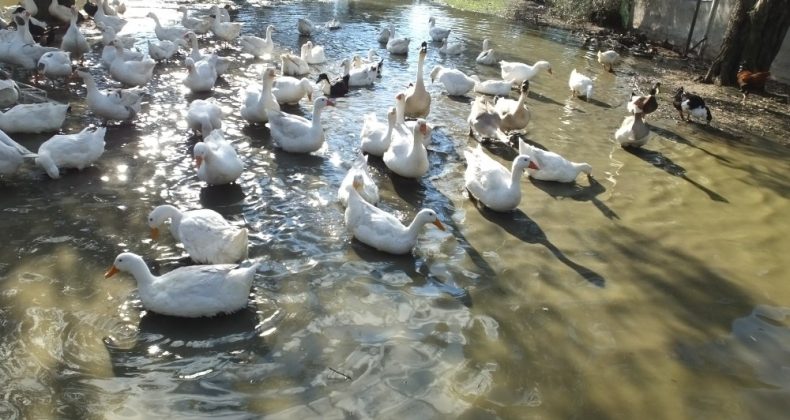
(220, 285)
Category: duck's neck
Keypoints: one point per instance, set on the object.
(266, 90)
(142, 274)
(195, 48)
(316, 118)
(416, 225)
(522, 98)
(420, 63)
(515, 177)
(268, 34)
(400, 113)
(90, 85)
(172, 213)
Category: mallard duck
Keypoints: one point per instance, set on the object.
(204, 116)
(333, 89)
(608, 59)
(162, 50)
(492, 87)
(692, 104)
(455, 82)
(454, 48)
(42, 117)
(397, 46)
(258, 47)
(73, 40)
(131, 73)
(290, 90)
(514, 114)
(644, 104)
(115, 104)
(580, 85)
(293, 65)
(78, 150)
(633, 132)
(437, 33)
(487, 57)
(256, 103)
(484, 120)
(202, 75)
(12, 154)
(381, 230)
(492, 184)
(313, 54)
(551, 166)
(407, 155)
(369, 191)
(216, 160)
(361, 76)
(198, 26)
(519, 72)
(191, 292)
(225, 31)
(375, 136)
(172, 33)
(296, 134)
(55, 65)
(207, 237)
(305, 27)
(418, 100)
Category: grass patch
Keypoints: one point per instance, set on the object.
(484, 6)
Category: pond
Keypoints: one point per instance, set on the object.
(657, 287)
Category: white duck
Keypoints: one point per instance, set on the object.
(484, 120)
(202, 75)
(407, 155)
(34, 118)
(313, 54)
(487, 57)
(258, 47)
(372, 59)
(225, 31)
(190, 292)
(381, 230)
(204, 116)
(296, 134)
(78, 150)
(12, 154)
(207, 237)
(437, 33)
(104, 21)
(59, 11)
(73, 40)
(162, 50)
(109, 50)
(454, 48)
(514, 115)
(293, 65)
(9, 90)
(375, 136)
(132, 73)
(174, 33)
(491, 183)
(55, 65)
(216, 160)
(632, 132)
(397, 46)
(289, 90)
(384, 35)
(256, 103)
(418, 100)
(580, 85)
(455, 82)
(608, 59)
(222, 65)
(115, 104)
(369, 192)
(492, 87)
(552, 166)
(364, 76)
(305, 27)
(517, 73)
(198, 26)
(400, 118)
(17, 47)
(108, 35)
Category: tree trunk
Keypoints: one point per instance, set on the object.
(754, 35)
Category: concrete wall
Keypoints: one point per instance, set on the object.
(670, 20)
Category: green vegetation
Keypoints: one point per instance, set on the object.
(484, 6)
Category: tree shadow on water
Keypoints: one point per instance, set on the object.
(666, 164)
(518, 224)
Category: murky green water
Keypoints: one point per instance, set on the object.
(657, 289)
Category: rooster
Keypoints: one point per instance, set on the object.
(750, 81)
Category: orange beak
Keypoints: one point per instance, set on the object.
(436, 223)
(198, 161)
(424, 129)
(154, 233)
(330, 102)
(532, 165)
(111, 272)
